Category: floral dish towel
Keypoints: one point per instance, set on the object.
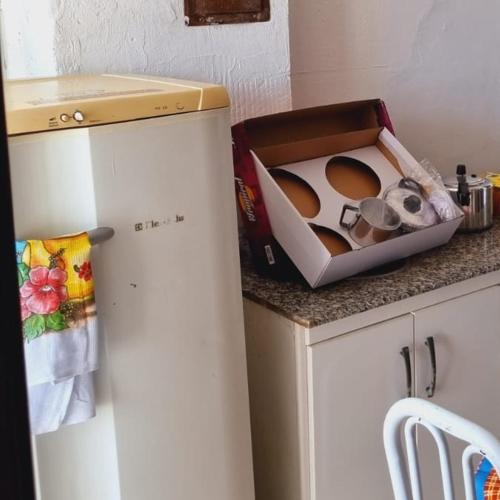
(58, 313)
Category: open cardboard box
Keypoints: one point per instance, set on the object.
(302, 179)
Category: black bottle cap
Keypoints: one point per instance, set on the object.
(461, 170)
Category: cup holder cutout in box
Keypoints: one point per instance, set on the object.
(352, 178)
(302, 196)
(334, 242)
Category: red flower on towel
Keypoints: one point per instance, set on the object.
(44, 291)
(25, 312)
(84, 271)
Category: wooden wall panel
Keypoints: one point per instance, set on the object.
(205, 12)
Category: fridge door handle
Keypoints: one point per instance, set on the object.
(430, 389)
(100, 234)
(405, 352)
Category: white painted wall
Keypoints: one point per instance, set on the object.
(435, 62)
(149, 36)
(28, 38)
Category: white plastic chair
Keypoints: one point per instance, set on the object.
(438, 421)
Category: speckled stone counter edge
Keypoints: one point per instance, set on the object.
(465, 256)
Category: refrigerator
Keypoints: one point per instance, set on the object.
(150, 158)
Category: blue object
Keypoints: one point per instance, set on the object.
(20, 246)
(482, 473)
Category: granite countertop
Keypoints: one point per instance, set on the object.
(465, 256)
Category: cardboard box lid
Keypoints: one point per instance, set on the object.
(311, 123)
(310, 133)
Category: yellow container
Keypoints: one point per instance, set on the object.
(494, 178)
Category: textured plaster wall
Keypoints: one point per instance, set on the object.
(28, 38)
(435, 62)
(149, 36)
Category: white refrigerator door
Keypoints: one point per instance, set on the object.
(170, 300)
(53, 194)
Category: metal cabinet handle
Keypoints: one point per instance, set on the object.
(405, 352)
(429, 342)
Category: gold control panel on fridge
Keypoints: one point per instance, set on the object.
(42, 104)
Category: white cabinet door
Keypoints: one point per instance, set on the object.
(353, 380)
(466, 333)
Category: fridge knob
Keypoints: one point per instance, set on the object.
(78, 116)
(65, 118)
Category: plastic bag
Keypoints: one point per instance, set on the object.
(426, 174)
